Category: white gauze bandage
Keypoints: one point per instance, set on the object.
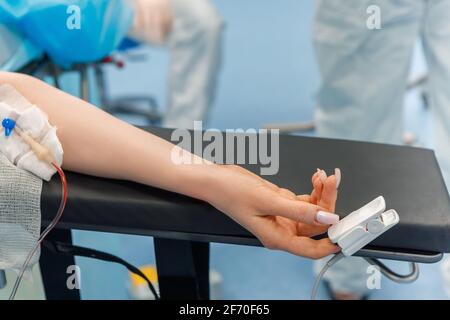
(20, 216)
(34, 122)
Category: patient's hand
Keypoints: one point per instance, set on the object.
(276, 216)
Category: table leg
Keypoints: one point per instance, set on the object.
(183, 269)
(54, 268)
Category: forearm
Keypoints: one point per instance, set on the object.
(99, 144)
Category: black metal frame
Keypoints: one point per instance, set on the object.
(183, 268)
(182, 263)
(54, 268)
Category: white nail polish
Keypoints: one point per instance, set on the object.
(327, 217)
(337, 173)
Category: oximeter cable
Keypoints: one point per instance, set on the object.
(72, 250)
(391, 275)
(319, 277)
(49, 228)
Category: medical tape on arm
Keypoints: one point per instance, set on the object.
(32, 130)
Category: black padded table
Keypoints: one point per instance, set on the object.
(409, 179)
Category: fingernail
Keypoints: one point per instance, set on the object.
(326, 217)
(337, 173)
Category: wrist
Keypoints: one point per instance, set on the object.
(204, 182)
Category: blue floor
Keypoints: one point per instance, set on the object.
(268, 50)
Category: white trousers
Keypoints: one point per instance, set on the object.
(364, 77)
(195, 43)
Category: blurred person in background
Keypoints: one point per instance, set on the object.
(192, 30)
(364, 74)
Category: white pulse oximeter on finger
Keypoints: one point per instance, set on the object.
(363, 226)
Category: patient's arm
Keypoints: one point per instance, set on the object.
(99, 144)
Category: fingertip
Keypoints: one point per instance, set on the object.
(328, 247)
(314, 176)
(318, 182)
(330, 184)
(330, 179)
(335, 248)
(323, 176)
